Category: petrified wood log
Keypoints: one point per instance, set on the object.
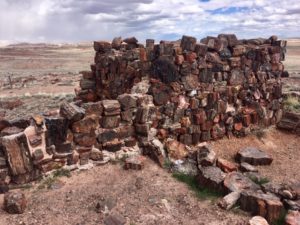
(266, 205)
(18, 154)
(71, 111)
(57, 130)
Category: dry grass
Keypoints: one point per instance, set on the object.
(292, 104)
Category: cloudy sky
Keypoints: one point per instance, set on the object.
(84, 20)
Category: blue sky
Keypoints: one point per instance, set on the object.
(85, 20)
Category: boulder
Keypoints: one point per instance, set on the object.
(15, 202)
(237, 182)
(226, 165)
(266, 205)
(253, 156)
(211, 177)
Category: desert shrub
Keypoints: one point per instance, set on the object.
(292, 103)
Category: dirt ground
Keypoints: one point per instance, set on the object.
(44, 76)
(40, 75)
(283, 147)
(150, 196)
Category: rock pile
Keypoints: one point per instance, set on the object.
(201, 91)
(247, 189)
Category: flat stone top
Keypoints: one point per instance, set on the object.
(213, 173)
(111, 104)
(254, 156)
(236, 181)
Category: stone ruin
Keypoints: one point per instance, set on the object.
(160, 100)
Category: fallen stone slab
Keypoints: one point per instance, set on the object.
(258, 220)
(229, 200)
(226, 165)
(237, 182)
(211, 177)
(263, 204)
(292, 218)
(246, 167)
(15, 202)
(253, 156)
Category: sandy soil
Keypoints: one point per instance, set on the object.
(41, 75)
(283, 147)
(150, 196)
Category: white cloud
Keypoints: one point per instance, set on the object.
(76, 20)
